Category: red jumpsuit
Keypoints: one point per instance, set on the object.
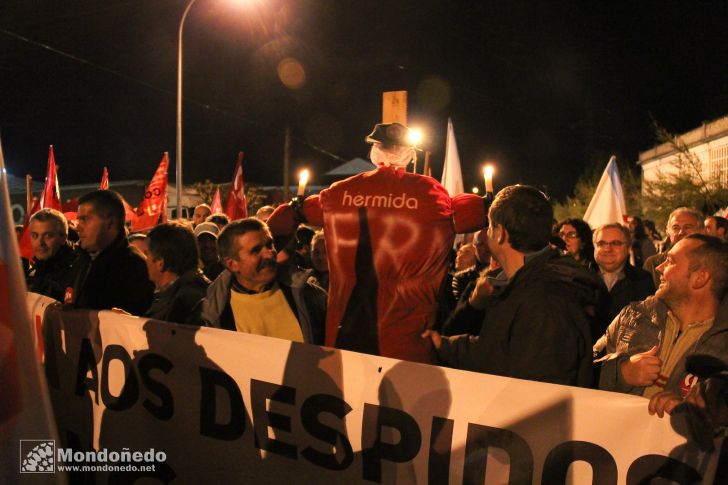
(388, 236)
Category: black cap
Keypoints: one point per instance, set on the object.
(390, 134)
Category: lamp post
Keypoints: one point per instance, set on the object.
(179, 110)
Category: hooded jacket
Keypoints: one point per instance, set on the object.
(536, 327)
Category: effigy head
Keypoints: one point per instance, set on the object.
(392, 145)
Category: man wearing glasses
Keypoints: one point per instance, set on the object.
(624, 282)
(682, 222)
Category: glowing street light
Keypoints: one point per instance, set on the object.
(415, 136)
(179, 104)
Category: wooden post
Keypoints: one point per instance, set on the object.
(287, 164)
(28, 193)
(426, 170)
(394, 107)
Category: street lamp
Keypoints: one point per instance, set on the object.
(179, 110)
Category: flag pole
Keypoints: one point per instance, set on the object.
(28, 192)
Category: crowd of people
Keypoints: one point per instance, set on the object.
(615, 307)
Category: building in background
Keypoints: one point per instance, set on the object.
(708, 143)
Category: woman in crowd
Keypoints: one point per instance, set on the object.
(653, 233)
(577, 235)
(642, 245)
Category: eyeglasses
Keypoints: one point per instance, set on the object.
(614, 244)
(684, 229)
(568, 235)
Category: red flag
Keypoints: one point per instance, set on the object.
(154, 204)
(129, 211)
(25, 405)
(216, 203)
(51, 197)
(236, 205)
(104, 180)
(71, 205)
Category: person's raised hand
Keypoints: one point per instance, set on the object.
(483, 289)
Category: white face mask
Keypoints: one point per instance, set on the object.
(393, 156)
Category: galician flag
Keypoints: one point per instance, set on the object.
(452, 176)
(25, 411)
(607, 206)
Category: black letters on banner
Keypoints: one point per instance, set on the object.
(129, 391)
(147, 363)
(376, 418)
(480, 438)
(310, 410)
(50, 365)
(260, 392)
(438, 467)
(647, 467)
(556, 466)
(87, 362)
(234, 428)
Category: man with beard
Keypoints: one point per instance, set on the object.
(248, 297)
(648, 342)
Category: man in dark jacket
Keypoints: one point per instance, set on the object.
(172, 263)
(536, 326)
(108, 273)
(624, 282)
(49, 274)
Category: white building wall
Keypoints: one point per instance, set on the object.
(708, 143)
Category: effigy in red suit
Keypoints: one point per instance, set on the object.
(388, 237)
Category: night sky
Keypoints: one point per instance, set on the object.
(542, 89)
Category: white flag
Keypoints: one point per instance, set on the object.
(607, 205)
(452, 176)
(25, 411)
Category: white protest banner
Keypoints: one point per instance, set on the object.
(210, 406)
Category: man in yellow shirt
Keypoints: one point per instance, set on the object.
(250, 297)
